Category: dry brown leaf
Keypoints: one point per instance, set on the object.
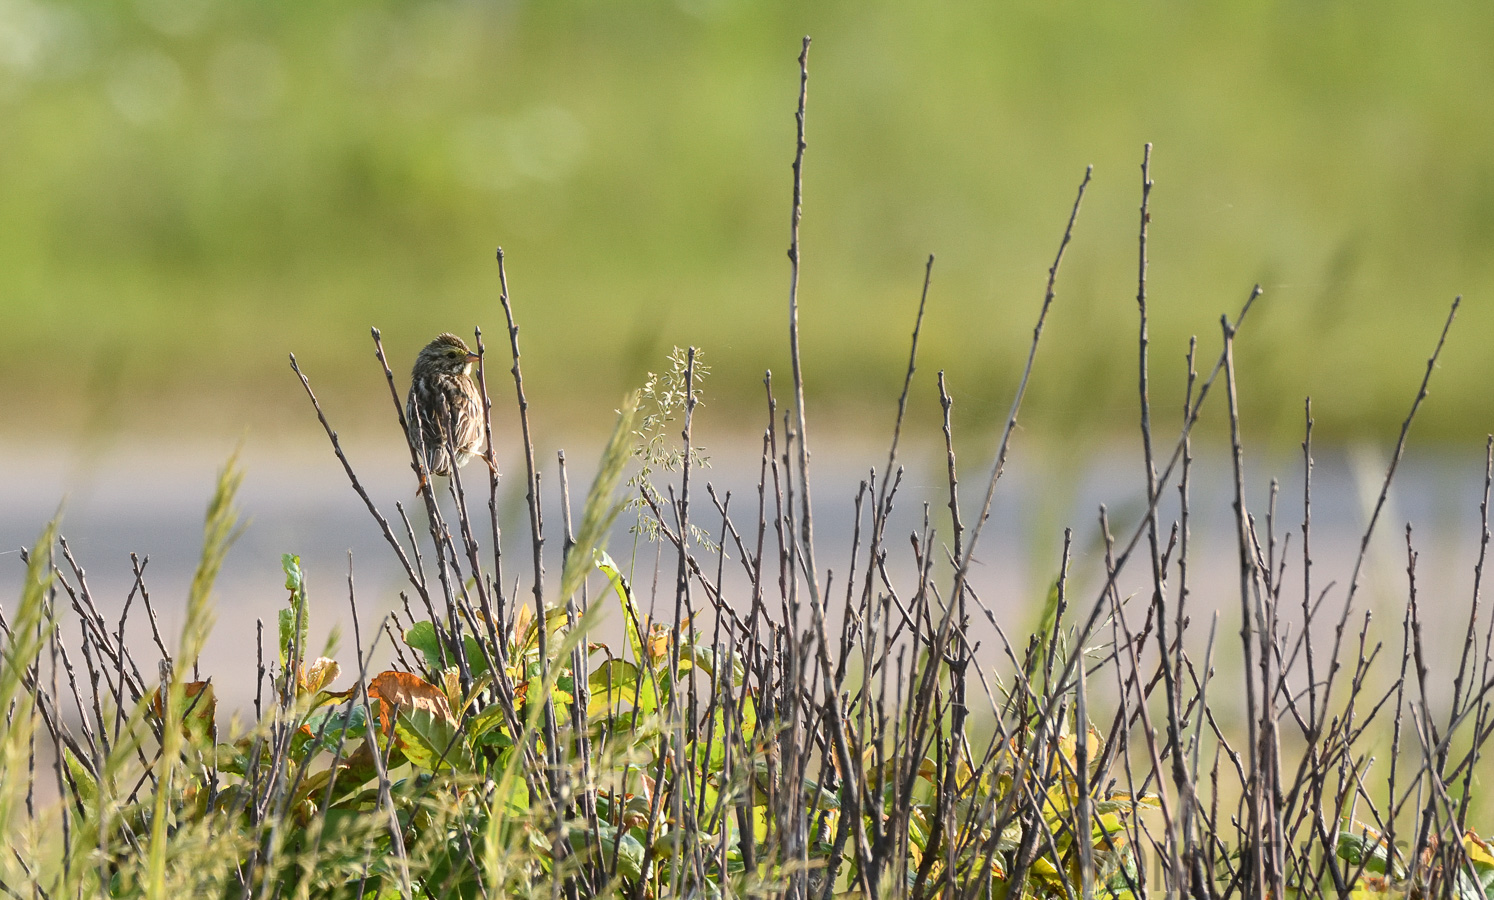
(409, 693)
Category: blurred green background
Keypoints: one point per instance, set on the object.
(190, 189)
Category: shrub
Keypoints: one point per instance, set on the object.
(782, 742)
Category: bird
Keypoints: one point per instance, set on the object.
(444, 408)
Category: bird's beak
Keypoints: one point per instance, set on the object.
(472, 357)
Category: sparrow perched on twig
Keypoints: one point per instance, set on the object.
(445, 406)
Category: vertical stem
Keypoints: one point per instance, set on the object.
(497, 614)
(1312, 694)
(806, 520)
(587, 792)
(536, 527)
(1011, 419)
(1256, 812)
(1159, 576)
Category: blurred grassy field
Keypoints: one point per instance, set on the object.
(193, 188)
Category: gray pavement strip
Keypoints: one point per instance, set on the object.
(151, 502)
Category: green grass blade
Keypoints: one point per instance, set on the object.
(220, 530)
(28, 629)
(602, 505)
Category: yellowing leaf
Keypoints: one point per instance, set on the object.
(1108, 823)
(318, 675)
(1478, 852)
(451, 684)
(523, 619)
(658, 642)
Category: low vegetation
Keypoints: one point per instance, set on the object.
(799, 737)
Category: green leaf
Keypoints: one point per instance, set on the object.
(1049, 615)
(330, 723)
(431, 741)
(813, 795)
(713, 740)
(705, 659)
(747, 724)
(631, 614)
(83, 784)
(614, 685)
(294, 624)
(483, 728)
(1361, 849)
(422, 636)
(629, 850)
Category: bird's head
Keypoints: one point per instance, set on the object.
(446, 355)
